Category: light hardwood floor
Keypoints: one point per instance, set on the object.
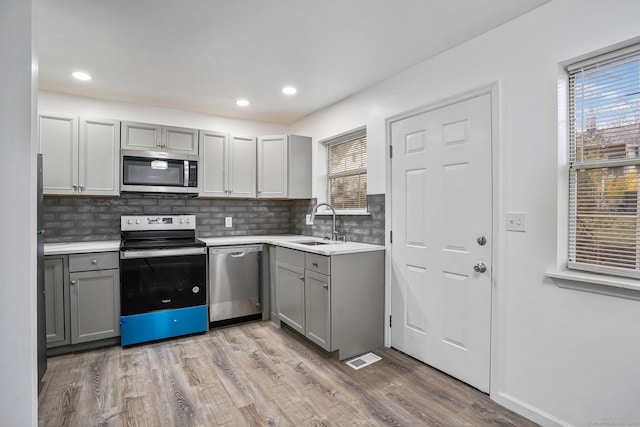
(254, 374)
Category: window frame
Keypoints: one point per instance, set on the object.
(584, 269)
(343, 138)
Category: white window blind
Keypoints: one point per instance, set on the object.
(604, 137)
(347, 171)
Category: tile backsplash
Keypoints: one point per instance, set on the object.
(72, 219)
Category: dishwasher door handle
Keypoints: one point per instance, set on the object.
(237, 254)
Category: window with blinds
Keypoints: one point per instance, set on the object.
(347, 171)
(604, 137)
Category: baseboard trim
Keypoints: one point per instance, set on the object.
(529, 411)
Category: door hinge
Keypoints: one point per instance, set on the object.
(389, 320)
(390, 236)
(391, 151)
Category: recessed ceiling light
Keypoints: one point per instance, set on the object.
(289, 90)
(81, 76)
(242, 103)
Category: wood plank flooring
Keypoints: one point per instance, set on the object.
(254, 374)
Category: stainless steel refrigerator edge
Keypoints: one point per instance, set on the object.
(235, 282)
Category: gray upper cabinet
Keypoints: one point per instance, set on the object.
(227, 165)
(94, 296)
(213, 167)
(284, 166)
(80, 155)
(242, 166)
(152, 137)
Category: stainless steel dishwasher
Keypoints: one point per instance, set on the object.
(235, 282)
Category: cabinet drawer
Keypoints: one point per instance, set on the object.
(290, 256)
(93, 261)
(318, 263)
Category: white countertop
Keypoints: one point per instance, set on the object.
(287, 241)
(292, 242)
(81, 247)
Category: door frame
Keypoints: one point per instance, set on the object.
(498, 329)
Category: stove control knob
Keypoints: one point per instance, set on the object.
(129, 221)
(181, 220)
(187, 220)
(137, 221)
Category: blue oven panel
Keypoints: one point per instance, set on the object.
(162, 324)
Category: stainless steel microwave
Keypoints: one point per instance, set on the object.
(158, 172)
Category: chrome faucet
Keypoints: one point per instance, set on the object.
(334, 232)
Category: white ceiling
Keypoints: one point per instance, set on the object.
(202, 55)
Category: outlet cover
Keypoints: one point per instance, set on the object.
(308, 220)
(516, 221)
(228, 222)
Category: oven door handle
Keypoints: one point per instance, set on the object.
(156, 253)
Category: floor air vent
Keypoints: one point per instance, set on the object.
(364, 360)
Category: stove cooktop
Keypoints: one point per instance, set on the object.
(145, 244)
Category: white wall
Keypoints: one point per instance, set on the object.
(69, 104)
(561, 356)
(18, 372)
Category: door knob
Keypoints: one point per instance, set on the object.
(480, 267)
(481, 240)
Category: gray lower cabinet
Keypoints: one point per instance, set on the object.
(290, 294)
(94, 283)
(317, 288)
(335, 301)
(56, 292)
(82, 298)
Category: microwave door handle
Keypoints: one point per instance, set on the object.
(186, 173)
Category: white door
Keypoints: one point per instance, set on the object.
(441, 221)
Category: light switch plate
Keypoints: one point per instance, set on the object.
(308, 220)
(228, 222)
(516, 221)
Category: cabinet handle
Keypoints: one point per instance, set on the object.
(82, 188)
(75, 187)
(73, 282)
(301, 277)
(94, 261)
(314, 263)
(325, 285)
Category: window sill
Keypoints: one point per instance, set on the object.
(344, 213)
(596, 283)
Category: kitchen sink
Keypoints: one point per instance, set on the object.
(313, 243)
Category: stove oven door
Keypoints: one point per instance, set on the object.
(153, 280)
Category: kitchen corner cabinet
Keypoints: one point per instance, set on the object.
(284, 167)
(56, 292)
(94, 283)
(227, 165)
(335, 301)
(152, 137)
(81, 156)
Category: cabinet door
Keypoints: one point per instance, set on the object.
(95, 305)
(212, 170)
(141, 136)
(58, 135)
(99, 162)
(180, 140)
(300, 165)
(54, 294)
(242, 166)
(290, 295)
(272, 166)
(318, 309)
